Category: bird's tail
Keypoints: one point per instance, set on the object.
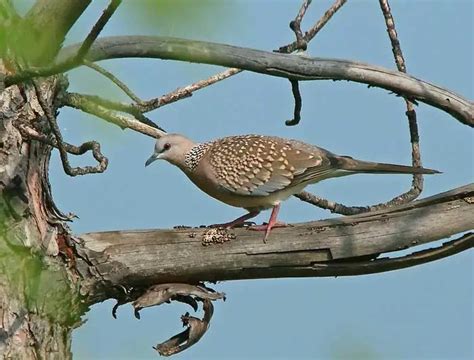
(350, 164)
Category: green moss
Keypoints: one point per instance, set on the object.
(41, 283)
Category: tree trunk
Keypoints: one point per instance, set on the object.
(39, 298)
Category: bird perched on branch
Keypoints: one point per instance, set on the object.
(258, 172)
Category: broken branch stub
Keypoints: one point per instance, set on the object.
(186, 293)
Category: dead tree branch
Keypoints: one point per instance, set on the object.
(128, 258)
(281, 65)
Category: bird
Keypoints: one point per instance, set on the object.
(258, 172)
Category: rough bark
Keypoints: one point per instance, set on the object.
(39, 299)
(129, 258)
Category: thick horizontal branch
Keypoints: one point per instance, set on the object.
(282, 65)
(140, 258)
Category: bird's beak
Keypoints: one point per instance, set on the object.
(152, 159)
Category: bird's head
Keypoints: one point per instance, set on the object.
(172, 148)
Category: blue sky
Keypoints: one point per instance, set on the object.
(417, 313)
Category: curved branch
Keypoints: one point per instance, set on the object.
(141, 258)
(282, 65)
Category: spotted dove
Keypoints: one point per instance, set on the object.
(258, 172)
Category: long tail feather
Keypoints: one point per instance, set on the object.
(349, 164)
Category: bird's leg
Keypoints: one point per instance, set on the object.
(239, 221)
(272, 223)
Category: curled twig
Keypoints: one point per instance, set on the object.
(93, 146)
(295, 89)
(64, 148)
(301, 43)
(189, 294)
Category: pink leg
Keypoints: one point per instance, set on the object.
(239, 221)
(272, 223)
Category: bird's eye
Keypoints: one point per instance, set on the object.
(166, 146)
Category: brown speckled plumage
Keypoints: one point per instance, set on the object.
(258, 172)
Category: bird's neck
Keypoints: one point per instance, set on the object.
(194, 156)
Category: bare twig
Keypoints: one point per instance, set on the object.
(186, 91)
(332, 206)
(83, 103)
(417, 183)
(295, 25)
(301, 43)
(96, 29)
(114, 79)
(311, 33)
(139, 107)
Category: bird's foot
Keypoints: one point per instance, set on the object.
(268, 227)
(264, 227)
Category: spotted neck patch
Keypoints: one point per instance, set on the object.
(193, 156)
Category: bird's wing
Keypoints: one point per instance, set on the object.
(259, 165)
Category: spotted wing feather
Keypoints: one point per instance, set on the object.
(259, 165)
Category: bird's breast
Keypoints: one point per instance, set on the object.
(207, 182)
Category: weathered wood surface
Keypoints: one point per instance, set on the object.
(161, 256)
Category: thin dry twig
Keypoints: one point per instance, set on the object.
(311, 33)
(295, 25)
(114, 79)
(185, 91)
(417, 183)
(139, 107)
(332, 206)
(96, 29)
